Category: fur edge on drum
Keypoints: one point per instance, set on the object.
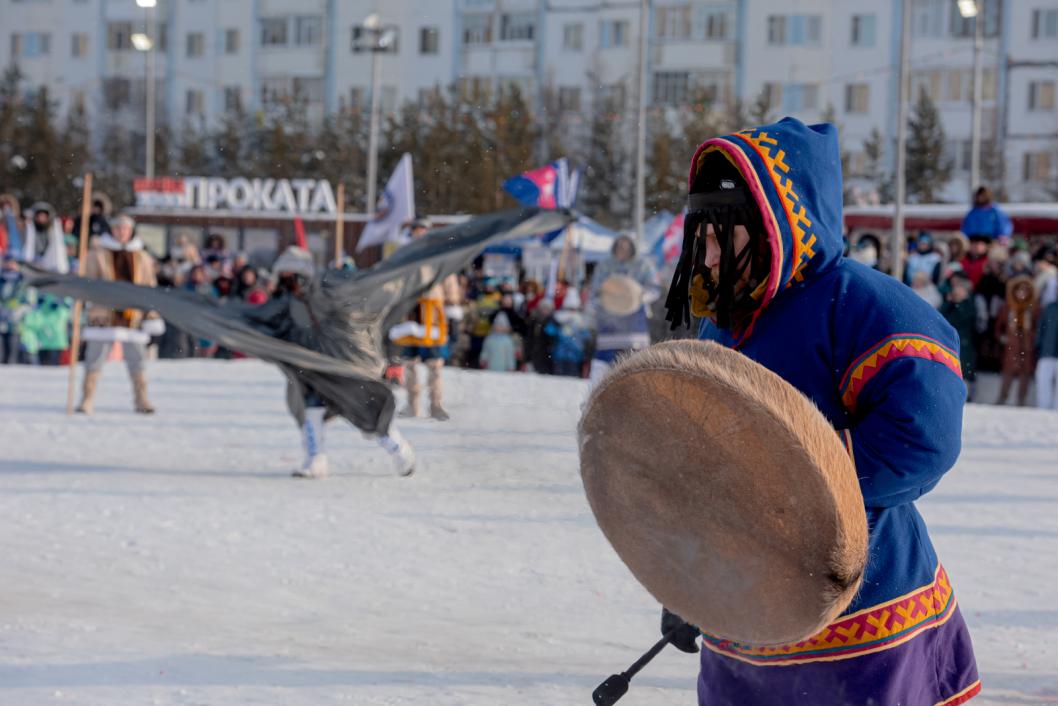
(725, 491)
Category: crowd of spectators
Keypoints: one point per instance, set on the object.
(1000, 294)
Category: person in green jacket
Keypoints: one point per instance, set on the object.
(961, 312)
(44, 331)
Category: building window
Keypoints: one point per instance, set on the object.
(795, 30)
(116, 93)
(714, 27)
(273, 91)
(30, 45)
(232, 99)
(862, 31)
(274, 32)
(569, 98)
(928, 81)
(1038, 166)
(307, 30)
(613, 96)
(797, 97)
(672, 87)
(1041, 95)
(195, 44)
(517, 26)
(78, 45)
(473, 87)
(776, 29)
(429, 40)
(388, 100)
(477, 29)
(1045, 24)
(119, 36)
(614, 33)
(857, 98)
(965, 26)
(309, 90)
(357, 98)
(573, 37)
(673, 23)
(162, 33)
(428, 97)
(231, 41)
(193, 102)
(772, 93)
(988, 84)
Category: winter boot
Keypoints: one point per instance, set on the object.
(400, 451)
(411, 384)
(315, 465)
(436, 409)
(139, 394)
(91, 381)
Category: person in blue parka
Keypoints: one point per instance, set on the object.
(762, 265)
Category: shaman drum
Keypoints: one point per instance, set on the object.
(620, 295)
(725, 491)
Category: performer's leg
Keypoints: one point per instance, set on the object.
(135, 355)
(1024, 379)
(411, 384)
(399, 449)
(315, 465)
(95, 357)
(433, 369)
(1004, 388)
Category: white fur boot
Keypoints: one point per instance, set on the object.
(315, 465)
(400, 451)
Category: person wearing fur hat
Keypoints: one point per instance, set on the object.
(622, 287)
(97, 219)
(1015, 331)
(762, 265)
(119, 256)
(43, 243)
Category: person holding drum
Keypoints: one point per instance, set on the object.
(775, 510)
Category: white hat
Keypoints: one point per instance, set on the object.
(296, 261)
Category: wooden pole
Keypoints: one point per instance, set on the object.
(339, 227)
(82, 255)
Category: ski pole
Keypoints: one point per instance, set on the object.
(616, 685)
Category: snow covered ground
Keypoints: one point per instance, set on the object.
(171, 560)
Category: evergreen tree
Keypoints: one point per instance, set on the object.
(830, 115)
(760, 112)
(666, 177)
(113, 171)
(928, 169)
(874, 172)
(39, 142)
(10, 113)
(342, 140)
(605, 186)
(194, 154)
(510, 137)
(231, 143)
(73, 158)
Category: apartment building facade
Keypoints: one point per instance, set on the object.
(809, 58)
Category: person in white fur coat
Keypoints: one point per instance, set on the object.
(43, 244)
(119, 256)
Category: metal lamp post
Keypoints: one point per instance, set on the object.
(972, 9)
(896, 242)
(146, 43)
(379, 40)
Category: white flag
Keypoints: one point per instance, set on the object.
(395, 207)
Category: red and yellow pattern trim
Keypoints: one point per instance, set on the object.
(901, 345)
(774, 158)
(963, 696)
(870, 630)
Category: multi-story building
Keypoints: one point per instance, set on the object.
(807, 58)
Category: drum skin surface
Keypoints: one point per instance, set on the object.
(725, 491)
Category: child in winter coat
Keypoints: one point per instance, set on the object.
(960, 311)
(44, 331)
(498, 349)
(571, 336)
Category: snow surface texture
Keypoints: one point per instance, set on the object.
(172, 560)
